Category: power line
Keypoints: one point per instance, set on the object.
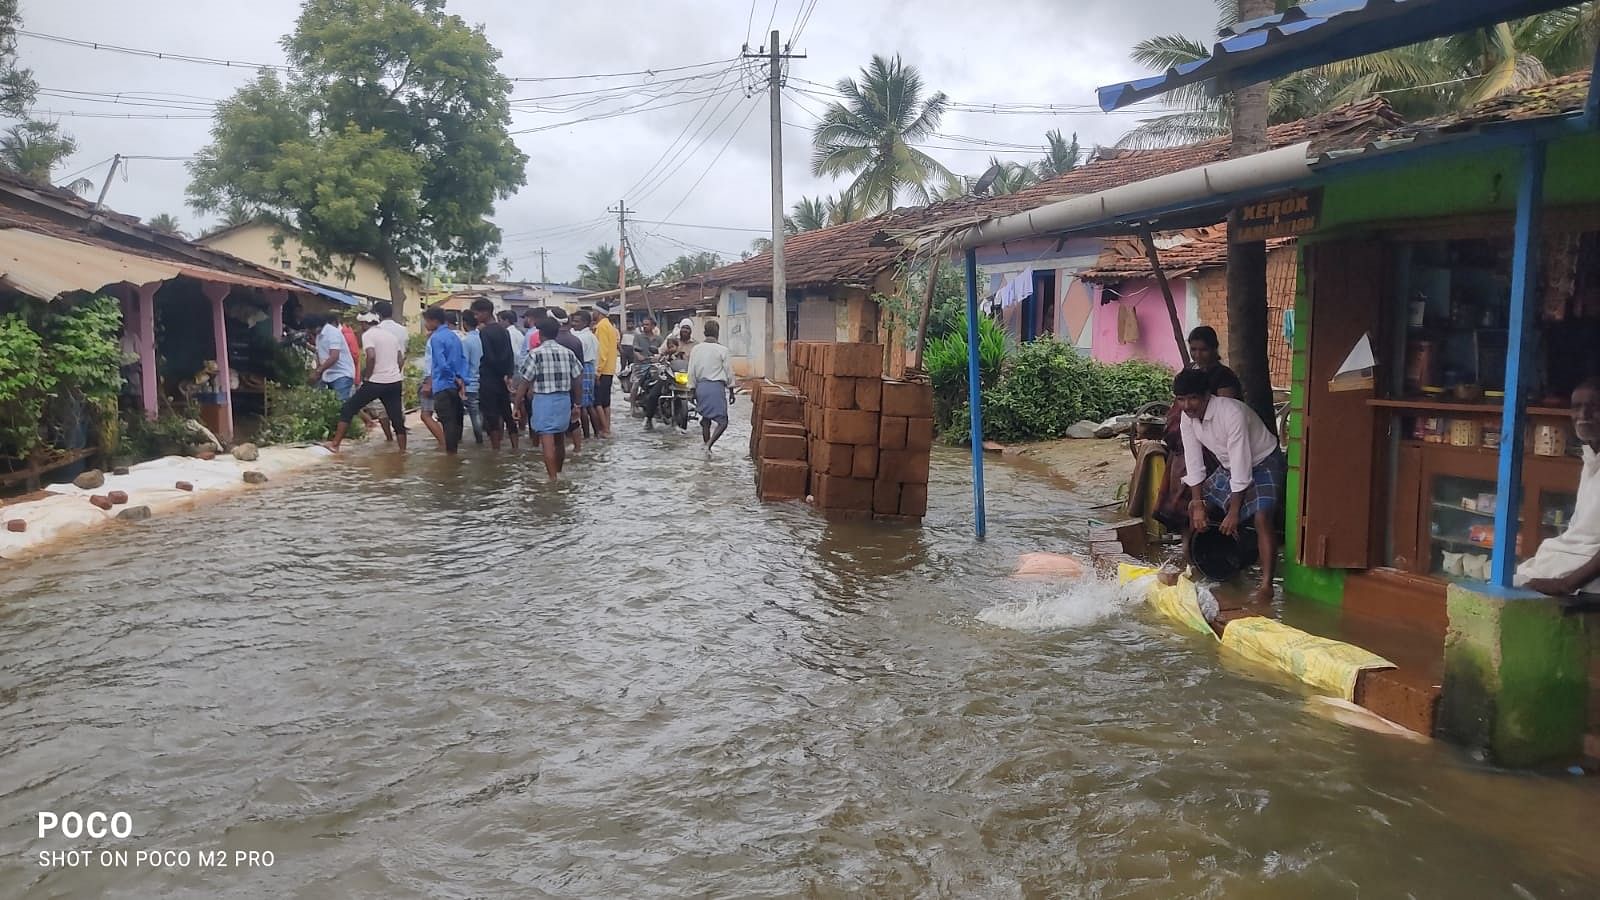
(666, 174)
(804, 21)
(91, 115)
(709, 166)
(707, 227)
(642, 108)
(84, 170)
(672, 149)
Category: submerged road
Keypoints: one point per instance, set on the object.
(437, 678)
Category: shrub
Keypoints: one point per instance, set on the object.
(300, 414)
(24, 387)
(946, 362)
(168, 435)
(1129, 385)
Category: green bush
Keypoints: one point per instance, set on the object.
(299, 414)
(1047, 386)
(142, 439)
(946, 362)
(24, 387)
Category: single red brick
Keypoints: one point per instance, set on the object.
(783, 479)
(184, 486)
(904, 466)
(117, 498)
(857, 360)
(832, 459)
(16, 526)
(100, 501)
(914, 500)
(919, 434)
(865, 463)
(835, 492)
(907, 398)
(892, 433)
(886, 497)
(783, 446)
(850, 426)
(869, 394)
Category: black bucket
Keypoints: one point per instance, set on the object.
(1219, 557)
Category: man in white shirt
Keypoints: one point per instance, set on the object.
(1569, 564)
(711, 377)
(335, 369)
(1247, 485)
(383, 356)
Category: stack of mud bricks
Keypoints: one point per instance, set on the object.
(778, 442)
(869, 438)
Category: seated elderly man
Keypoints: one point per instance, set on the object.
(1569, 565)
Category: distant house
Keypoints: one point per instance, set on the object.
(516, 296)
(259, 243)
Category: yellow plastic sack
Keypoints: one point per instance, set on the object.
(1328, 666)
(1178, 602)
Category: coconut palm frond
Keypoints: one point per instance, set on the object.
(1177, 128)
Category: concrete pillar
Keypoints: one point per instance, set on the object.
(275, 302)
(1515, 676)
(217, 293)
(146, 303)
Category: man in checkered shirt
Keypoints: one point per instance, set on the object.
(552, 375)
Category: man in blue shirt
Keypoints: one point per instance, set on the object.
(447, 376)
(472, 346)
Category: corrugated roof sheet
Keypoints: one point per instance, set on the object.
(45, 266)
(1318, 32)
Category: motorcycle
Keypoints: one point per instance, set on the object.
(664, 394)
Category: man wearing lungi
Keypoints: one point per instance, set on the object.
(553, 377)
(1248, 483)
(711, 377)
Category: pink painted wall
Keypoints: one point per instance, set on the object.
(1155, 342)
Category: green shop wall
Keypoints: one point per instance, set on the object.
(1437, 187)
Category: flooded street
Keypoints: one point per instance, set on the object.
(447, 679)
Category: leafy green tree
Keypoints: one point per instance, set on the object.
(847, 207)
(238, 212)
(871, 135)
(390, 139)
(166, 223)
(17, 87)
(32, 149)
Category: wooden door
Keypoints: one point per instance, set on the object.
(1348, 280)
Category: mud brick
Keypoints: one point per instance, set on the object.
(783, 479)
(16, 526)
(832, 459)
(886, 497)
(857, 360)
(839, 393)
(904, 466)
(914, 500)
(892, 433)
(777, 406)
(908, 398)
(919, 434)
(835, 492)
(822, 360)
(783, 446)
(869, 394)
(865, 462)
(792, 429)
(100, 501)
(850, 426)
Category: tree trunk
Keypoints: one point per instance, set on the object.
(927, 308)
(397, 281)
(1247, 263)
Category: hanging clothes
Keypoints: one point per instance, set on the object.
(1127, 324)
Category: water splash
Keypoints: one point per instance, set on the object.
(1060, 607)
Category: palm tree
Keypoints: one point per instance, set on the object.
(809, 214)
(166, 223)
(1009, 177)
(846, 207)
(505, 268)
(32, 149)
(870, 135)
(598, 271)
(687, 265)
(1060, 155)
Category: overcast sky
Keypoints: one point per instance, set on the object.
(1019, 51)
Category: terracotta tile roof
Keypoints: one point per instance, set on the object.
(50, 210)
(1182, 253)
(680, 295)
(1555, 97)
(857, 253)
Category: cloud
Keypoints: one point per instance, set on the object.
(1023, 50)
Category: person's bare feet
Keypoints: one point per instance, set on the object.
(1262, 594)
(330, 446)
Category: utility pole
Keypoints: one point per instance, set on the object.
(116, 160)
(622, 212)
(775, 55)
(542, 254)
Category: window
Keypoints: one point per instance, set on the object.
(285, 264)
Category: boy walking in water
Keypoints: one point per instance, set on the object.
(553, 377)
(383, 355)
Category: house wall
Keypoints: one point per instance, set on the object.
(1211, 290)
(746, 330)
(366, 277)
(1156, 342)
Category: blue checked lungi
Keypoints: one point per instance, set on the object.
(588, 385)
(1265, 493)
(552, 413)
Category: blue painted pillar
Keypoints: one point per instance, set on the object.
(1519, 359)
(975, 395)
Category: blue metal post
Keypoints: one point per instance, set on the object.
(1591, 106)
(975, 395)
(1519, 352)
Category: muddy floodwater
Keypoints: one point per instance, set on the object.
(447, 679)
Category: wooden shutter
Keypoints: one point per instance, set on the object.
(1348, 280)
